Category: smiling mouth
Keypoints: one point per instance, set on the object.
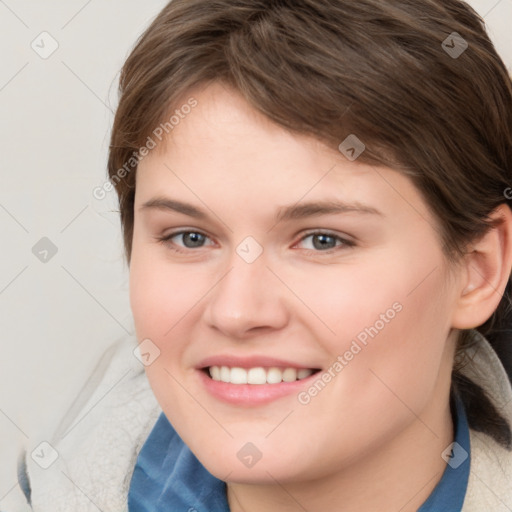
(258, 375)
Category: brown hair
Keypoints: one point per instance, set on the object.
(432, 104)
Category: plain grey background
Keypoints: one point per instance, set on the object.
(59, 310)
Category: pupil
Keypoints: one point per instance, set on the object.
(193, 239)
(323, 242)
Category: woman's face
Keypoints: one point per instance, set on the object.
(283, 257)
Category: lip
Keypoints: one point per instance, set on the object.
(249, 362)
(250, 395)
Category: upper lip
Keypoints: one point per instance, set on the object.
(250, 362)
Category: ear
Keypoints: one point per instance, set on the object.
(485, 272)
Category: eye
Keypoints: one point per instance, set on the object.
(186, 239)
(321, 241)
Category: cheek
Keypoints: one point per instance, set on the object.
(402, 359)
(162, 299)
(387, 318)
(390, 364)
(161, 294)
(343, 302)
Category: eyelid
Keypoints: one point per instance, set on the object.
(346, 241)
(166, 239)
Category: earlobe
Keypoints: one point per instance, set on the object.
(487, 267)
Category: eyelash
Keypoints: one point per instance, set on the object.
(166, 240)
(344, 243)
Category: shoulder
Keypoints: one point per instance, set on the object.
(86, 463)
(489, 485)
(490, 479)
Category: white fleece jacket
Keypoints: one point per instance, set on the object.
(99, 438)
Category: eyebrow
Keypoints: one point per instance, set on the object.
(164, 203)
(317, 208)
(292, 212)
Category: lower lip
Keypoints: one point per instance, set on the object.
(252, 394)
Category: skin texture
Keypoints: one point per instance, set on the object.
(372, 438)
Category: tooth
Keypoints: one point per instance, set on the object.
(257, 376)
(303, 373)
(274, 376)
(238, 376)
(215, 372)
(290, 375)
(225, 374)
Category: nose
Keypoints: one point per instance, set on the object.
(248, 300)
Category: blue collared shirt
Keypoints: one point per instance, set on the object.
(168, 477)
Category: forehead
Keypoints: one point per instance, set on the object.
(231, 154)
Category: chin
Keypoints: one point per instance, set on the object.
(244, 463)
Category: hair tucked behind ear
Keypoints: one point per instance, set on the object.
(498, 330)
(482, 415)
(380, 69)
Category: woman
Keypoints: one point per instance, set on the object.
(313, 201)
